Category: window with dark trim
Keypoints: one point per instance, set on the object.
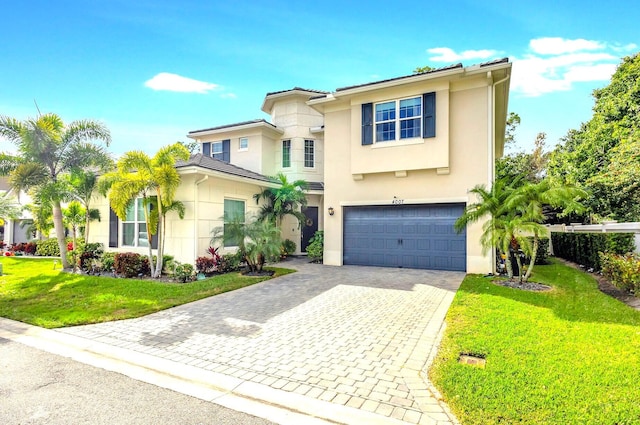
(309, 153)
(286, 153)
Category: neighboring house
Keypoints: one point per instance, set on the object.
(14, 231)
(389, 163)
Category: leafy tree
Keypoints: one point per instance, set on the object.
(41, 221)
(46, 150)
(9, 207)
(154, 180)
(286, 199)
(423, 69)
(191, 146)
(600, 155)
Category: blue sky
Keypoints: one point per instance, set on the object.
(154, 70)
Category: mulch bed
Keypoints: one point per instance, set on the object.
(525, 286)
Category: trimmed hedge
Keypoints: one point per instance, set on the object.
(130, 264)
(584, 248)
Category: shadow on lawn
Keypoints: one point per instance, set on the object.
(574, 297)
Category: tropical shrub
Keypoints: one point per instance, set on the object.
(48, 248)
(89, 253)
(315, 250)
(205, 265)
(108, 261)
(288, 247)
(623, 271)
(30, 248)
(130, 264)
(230, 262)
(183, 273)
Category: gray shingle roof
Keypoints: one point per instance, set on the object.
(238, 124)
(199, 160)
(296, 89)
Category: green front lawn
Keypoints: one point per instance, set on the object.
(32, 292)
(567, 356)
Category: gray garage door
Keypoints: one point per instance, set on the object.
(413, 236)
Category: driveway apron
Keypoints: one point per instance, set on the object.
(350, 339)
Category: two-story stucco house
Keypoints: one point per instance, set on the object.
(389, 163)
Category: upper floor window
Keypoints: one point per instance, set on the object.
(398, 119)
(309, 153)
(243, 144)
(286, 153)
(219, 150)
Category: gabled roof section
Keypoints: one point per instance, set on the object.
(271, 97)
(213, 164)
(236, 126)
(447, 71)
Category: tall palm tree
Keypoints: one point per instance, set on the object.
(155, 180)
(74, 216)
(47, 149)
(283, 200)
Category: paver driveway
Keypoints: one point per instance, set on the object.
(341, 338)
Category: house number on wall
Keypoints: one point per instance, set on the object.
(395, 201)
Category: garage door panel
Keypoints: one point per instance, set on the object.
(415, 236)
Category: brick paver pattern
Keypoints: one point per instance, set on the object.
(355, 336)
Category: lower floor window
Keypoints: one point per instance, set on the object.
(134, 228)
(233, 221)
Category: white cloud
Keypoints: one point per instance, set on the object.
(557, 63)
(626, 48)
(559, 45)
(173, 82)
(445, 54)
(228, 96)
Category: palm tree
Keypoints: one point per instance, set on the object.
(532, 202)
(283, 200)
(497, 229)
(47, 149)
(74, 216)
(155, 180)
(82, 186)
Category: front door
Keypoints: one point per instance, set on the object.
(309, 227)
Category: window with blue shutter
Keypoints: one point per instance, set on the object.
(113, 229)
(367, 124)
(206, 149)
(221, 150)
(429, 115)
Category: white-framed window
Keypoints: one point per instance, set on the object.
(217, 148)
(309, 153)
(286, 153)
(398, 119)
(243, 144)
(134, 228)
(234, 212)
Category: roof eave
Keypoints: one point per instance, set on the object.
(269, 127)
(197, 169)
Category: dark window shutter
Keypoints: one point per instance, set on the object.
(154, 237)
(113, 229)
(367, 123)
(206, 149)
(154, 241)
(226, 150)
(429, 114)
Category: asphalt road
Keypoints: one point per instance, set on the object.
(37, 387)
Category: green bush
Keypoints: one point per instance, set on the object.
(288, 247)
(584, 248)
(48, 248)
(623, 271)
(315, 250)
(230, 262)
(130, 264)
(184, 273)
(89, 253)
(108, 260)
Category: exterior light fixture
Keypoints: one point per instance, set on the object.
(331, 211)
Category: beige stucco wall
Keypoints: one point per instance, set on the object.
(408, 172)
(296, 118)
(188, 238)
